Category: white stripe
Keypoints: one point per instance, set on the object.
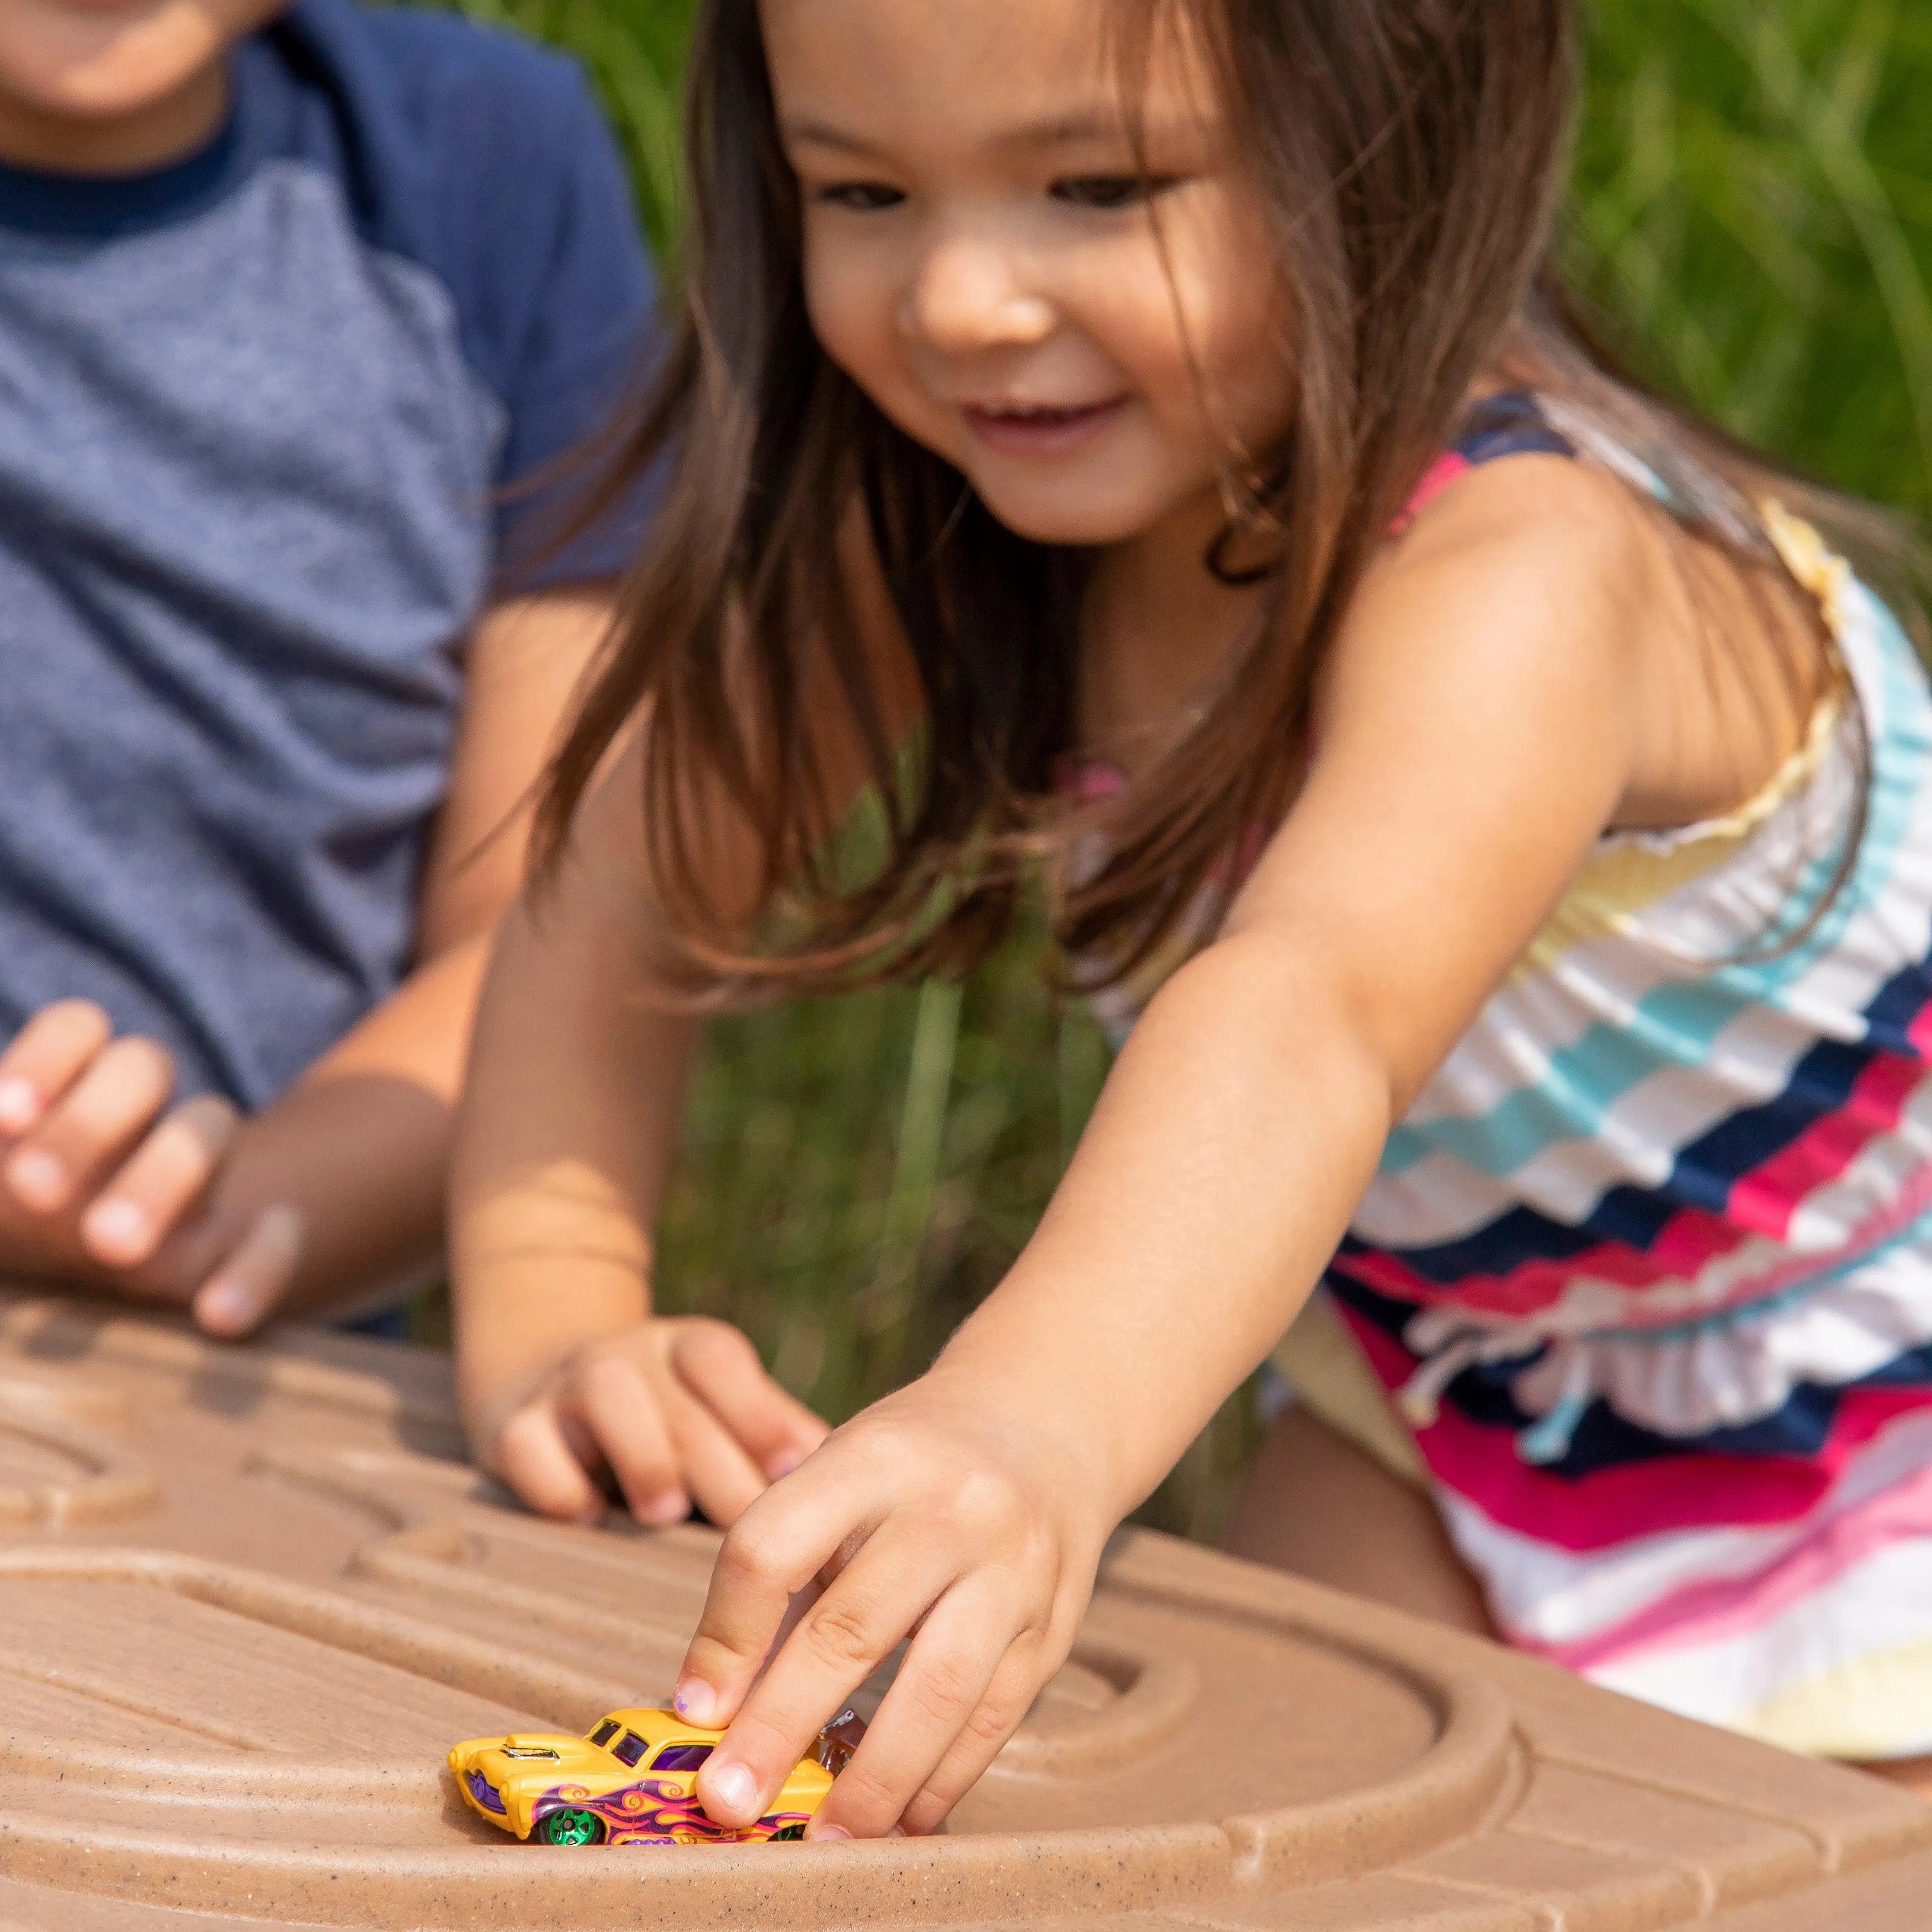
(1881, 1604)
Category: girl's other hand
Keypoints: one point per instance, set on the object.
(932, 1515)
(678, 1409)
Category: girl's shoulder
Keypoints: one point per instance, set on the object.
(1523, 530)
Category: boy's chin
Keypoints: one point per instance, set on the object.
(95, 62)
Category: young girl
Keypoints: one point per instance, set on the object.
(1512, 862)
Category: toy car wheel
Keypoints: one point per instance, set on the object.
(790, 1832)
(569, 1827)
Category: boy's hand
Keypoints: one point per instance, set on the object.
(676, 1409)
(932, 1514)
(101, 1181)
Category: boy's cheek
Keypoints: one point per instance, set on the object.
(101, 59)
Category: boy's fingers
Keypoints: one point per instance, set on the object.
(941, 1693)
(614, 1400)
(533, 1458)
(45, 1057)
(852, 1629)
(241, 1294)
(128, 1219)
(719, 1365)
(111, 1103)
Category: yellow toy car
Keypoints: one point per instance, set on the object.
(629, 1783)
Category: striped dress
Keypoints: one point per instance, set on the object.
(1647, 1266)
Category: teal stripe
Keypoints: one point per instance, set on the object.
(1676, 1023)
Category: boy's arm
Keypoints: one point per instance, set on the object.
(359, 1147)
(333, 1193)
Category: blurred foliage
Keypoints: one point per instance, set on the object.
(1753, 208)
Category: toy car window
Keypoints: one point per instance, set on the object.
(628, 1748)
(604, 1732)
(681, 1757)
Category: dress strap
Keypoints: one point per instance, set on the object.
(1510, 424)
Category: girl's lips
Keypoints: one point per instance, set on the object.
(1041, 432)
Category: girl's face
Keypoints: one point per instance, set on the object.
(983, 257)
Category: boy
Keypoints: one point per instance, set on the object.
(288, 294)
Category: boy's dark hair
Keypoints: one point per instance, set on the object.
(1412, 154)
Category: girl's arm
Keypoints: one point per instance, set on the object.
(1475, 738)
(570, 1125)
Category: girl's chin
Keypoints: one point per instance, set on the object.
(1049, 518)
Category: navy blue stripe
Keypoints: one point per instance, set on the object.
(1704, 1172)
(1509, 424)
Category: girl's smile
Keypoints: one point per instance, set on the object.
(1038, 430)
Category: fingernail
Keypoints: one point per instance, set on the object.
(897, 1831)
(19, 1106)
(695, 1702)
(826, 1835)
(118, 1228)
(38, 1178)
(733, 1786)
(783, 1462)
(224, 1307)
(674, 1506)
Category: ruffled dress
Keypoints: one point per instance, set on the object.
(1647, 1269)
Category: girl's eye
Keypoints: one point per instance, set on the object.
(863, 197)
(1109, 190)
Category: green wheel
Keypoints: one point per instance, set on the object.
(790, 1832)
(569, 1827)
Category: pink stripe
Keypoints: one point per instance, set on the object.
(1698, 1489)
(1440, 474)
(1766, 1198)
(1732, 1606)
(1761, 1202)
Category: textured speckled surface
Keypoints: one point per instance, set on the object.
(247, 1599)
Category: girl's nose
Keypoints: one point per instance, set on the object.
(967, 296)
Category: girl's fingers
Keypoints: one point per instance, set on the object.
(241, 1293)
(719, 1365)
(838, 1643)
(941, 1698)
(113, 1101)
(611, 1397)
(767, 1557)
(126, 1221)
(1009, 1697)
(536, 1462)
(44, 1058)
(724, 1481)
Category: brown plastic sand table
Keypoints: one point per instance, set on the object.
(248, 1599)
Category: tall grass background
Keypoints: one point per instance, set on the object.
(1752, 212)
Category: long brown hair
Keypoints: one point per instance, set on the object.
(1412, 155)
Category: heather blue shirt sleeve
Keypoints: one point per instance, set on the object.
(486, 159)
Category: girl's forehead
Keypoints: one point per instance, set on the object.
(998, 72)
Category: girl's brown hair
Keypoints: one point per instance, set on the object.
(1412, 155)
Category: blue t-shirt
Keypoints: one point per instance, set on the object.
(258, 412)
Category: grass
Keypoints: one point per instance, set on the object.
(1753, 204)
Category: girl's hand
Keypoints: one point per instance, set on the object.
(675, 1409)
(933, 1514)
(102, 1182)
